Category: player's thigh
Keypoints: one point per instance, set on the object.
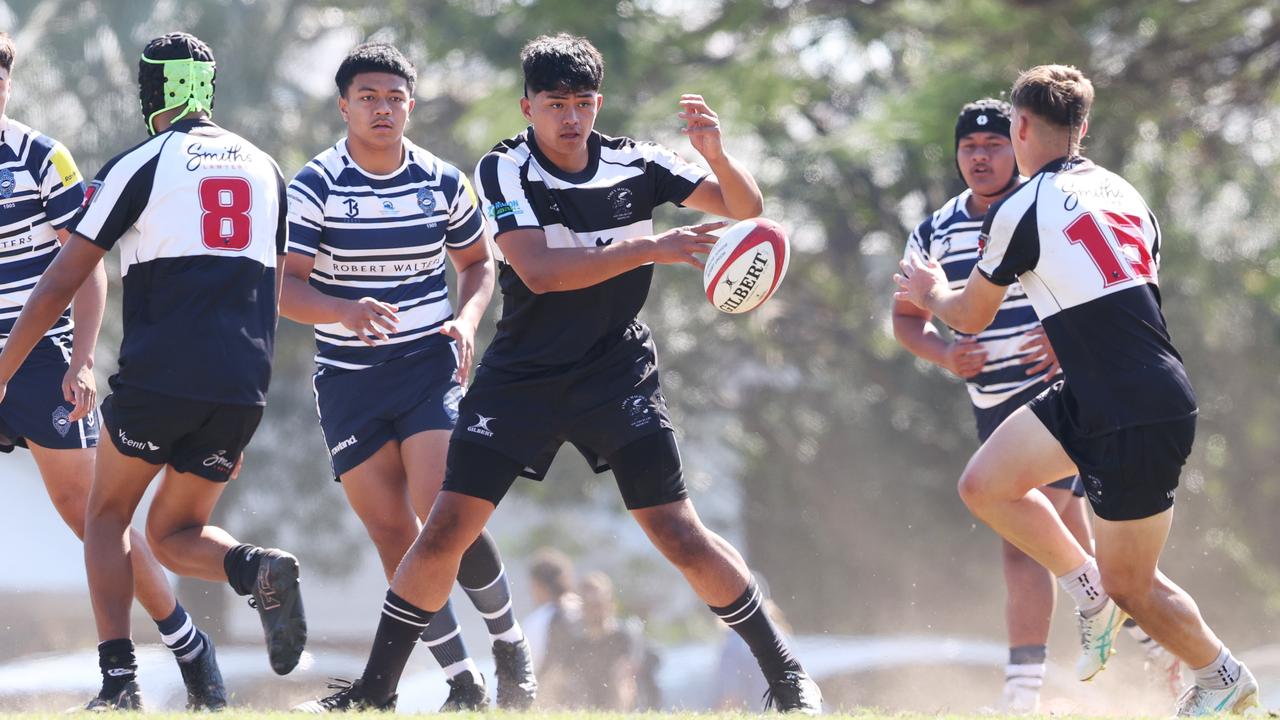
(182, 501)
(378, 493)
(68, 477)
(1019, 456)
(424, 455)
(119, 482)
(649, 471)
(1129, 550)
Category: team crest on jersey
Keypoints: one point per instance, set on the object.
(7, 183)
(62, 420)
(639, 409)
(623, 201)
(426, 200)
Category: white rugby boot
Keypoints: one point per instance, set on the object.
(1163, 668)
(1236, 699)
(1097, 638)
(1021, 696)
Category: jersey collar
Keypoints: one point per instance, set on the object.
(406, 151)
(588, 172)
(1064, 163)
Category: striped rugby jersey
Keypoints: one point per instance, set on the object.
(40, 191)
(385, 237)
(1086, 248)
(611, 199)
(199, 215)
(950, 236)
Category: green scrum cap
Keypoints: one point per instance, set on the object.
(187, 83)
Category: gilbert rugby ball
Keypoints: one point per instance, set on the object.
(746, 265)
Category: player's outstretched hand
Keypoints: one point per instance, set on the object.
(464, 337)
(919, 278)
(370, 319)
(1042, 356)
(686, 244)
(702, 125)
(965, 357)
(80, 387)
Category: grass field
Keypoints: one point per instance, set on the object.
(869, 714)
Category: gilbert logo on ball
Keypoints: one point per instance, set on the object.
(746, 265)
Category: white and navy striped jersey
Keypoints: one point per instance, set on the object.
(384, 237)
(40, 191)
(199, 215)
(950, 236)
(611, 199)
(1086, 249)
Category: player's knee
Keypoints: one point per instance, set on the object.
(156, 539)
(71, 505)
(682, 542)
(973, 487)
(392, 536)
(1129, 590)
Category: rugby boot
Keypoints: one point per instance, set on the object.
(465, 694)
(1237, 699)
(128, 697)
(1097, 638)
(794, 692)
(1163, 668)
(517, 687)
(348, 698)
(277, 597)
(1021, 695)
(205, 689)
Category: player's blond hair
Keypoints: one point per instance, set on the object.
(1059, 94)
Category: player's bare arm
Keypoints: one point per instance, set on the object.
(474, 265)
(368, 318)
(544, 269)
(923, 283)
(79, 385)
(73, 265)
(914, 330)
(731, 191)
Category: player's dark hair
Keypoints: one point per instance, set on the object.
(562, 62)
(151, 79)
(1059, 94)
(8, 51)
(553, 570)
(374, 57)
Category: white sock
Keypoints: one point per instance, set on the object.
(1029, 675)
(1222, 673)
(1084, 585)
(465, 666)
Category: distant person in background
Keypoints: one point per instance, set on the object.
(372, 221)
(199, 215)
(738, 682)
(551, 582)
(51, 404)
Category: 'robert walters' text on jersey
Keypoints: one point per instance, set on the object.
(199, 215)
(40, 190)
(611, 199)
(1086, 249)
(384, 237)
(950, 237)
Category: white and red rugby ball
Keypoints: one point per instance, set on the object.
(746, 265)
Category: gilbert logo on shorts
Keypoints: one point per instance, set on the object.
(136, 444)
(342, 445)
(481, 426)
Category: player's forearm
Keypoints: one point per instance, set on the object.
(50, 297)
(86, 312)
(475, 290)
(564, 269)
(957, 310)
(920, 338)
(742, 197)
(302, 303)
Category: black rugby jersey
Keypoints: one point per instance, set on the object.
(1086, 249)
(199, 214)
(611, 199)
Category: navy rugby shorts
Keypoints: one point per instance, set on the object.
(362, 410)
(611, 409)
(988, 419)
(1130, 473)
(33, 409)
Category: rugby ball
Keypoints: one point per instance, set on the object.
(746, 265)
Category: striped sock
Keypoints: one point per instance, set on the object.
(118, 665)
(483, 578)
(748, 618)
(181, 635)
(444, 639)
(398, 631)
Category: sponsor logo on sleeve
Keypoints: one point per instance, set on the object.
(65, 166)
(90, 192)
(500, 210)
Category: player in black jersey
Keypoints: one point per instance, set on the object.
(1086, 249)
(571, 213)
(199, 214)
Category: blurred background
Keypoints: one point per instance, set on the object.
(811, 439)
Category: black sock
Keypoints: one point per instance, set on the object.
(748, 618)
(241, 563)
(480, 574)
(118, 665)
(1028, 654)
(398, 631)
